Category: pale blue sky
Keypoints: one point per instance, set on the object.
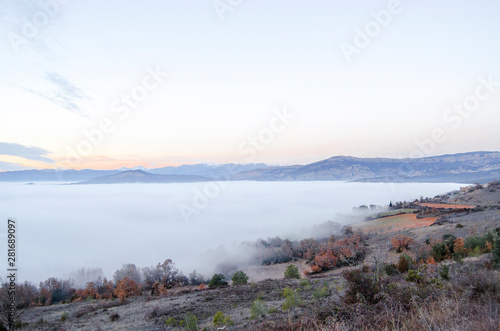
(226, 77)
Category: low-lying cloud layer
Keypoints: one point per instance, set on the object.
(62, 228)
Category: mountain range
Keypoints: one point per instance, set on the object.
(51, 175)
(460, 168)
(139, 176)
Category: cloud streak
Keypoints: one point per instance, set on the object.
(27, 152)
(63, 93)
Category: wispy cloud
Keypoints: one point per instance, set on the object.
(66, 87)
(63, 93)
(27, 152)
(34, 50)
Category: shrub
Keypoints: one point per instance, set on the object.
(321, 293)
(217, 280)
(171, 322)
(190, 322)
(475, 241)
(55, 290)
(444, 272)
(239, 278)
(476, 283)
(287, 291)
(401, 243)
(159, 289)
(222, 320)
(259, 308)
(272, 310)
(305, 283)
(226, 268)
(390, 269)
(403, 263)
(292, 272)
(439, 251)
(413, 276)
(495, 252)
(164, 273)
(459, 250)
(292, 299)
(127, 287)
(361, 286)
(64, 316)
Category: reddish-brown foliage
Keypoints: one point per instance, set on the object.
(308, 248)
(459, 247)
(401, 243)
(126, 287)
(336, 253)
(159, 289)
(98, 289)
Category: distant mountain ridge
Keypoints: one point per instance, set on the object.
(211, 171)
(51, 175)
(139, 176)
(460, 168)
(464, 167)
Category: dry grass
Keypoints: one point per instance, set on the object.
(394, 223)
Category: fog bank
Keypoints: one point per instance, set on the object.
(62, 228)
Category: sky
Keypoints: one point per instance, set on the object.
(104, 85)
